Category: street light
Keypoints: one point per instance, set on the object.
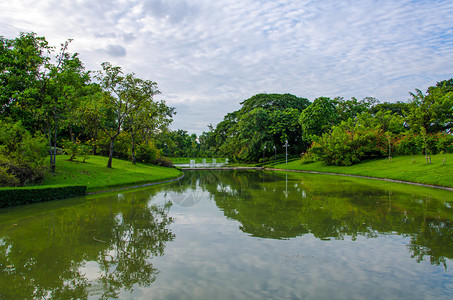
(286, 146)
(264, 149)
(166, 149)
(275, 150)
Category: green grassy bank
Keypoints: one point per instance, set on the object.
(412, 168)
(97, 177)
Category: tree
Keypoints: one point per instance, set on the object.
(273, 102)
(150, 119)
(432, 111)
(22, 155)
(62, 88)
(21, 65)
(318, 118)
(264, 121)
(351, 108)
(124, 97)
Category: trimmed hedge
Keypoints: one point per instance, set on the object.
(26, 195)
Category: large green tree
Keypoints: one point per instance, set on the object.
(62, 90)
(263, 122)
(22, 62)
(318, 118)
(432, 111)
(126, 96)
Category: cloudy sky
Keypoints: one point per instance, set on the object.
(208, 56)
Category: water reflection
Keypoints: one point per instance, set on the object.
(233, 234)
(284, 206)
(97, 248)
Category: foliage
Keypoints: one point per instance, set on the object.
(262, 126)
(26, 195)
(21, 63)
(348, 144)
(432, 111)
(179, 143)
(7, 178)
(347, 109)
(318, 118)
(130, 100)
(163, 162)
(146, 152)
(76, 150)
(411, 143)
(21, 155)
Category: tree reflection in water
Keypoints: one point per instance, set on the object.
(284, 206)
(104, 246)
(95, 248)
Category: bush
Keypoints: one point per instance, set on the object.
(22, 155)
(146, 152)
(7, 179)
(348, 144)
(76, 150)
(26, 195)
(411, 143)
(164, 162)
(23, 172)
(444, 142)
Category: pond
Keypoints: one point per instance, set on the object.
(234, 235)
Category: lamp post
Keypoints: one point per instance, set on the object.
(286, 146)
(264, 149)
(166, 148)
(275, 150)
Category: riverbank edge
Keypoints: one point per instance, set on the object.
(366, 177)
(137, 186)
(327, 173)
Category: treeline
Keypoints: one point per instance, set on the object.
(337, 131)
(50, 104)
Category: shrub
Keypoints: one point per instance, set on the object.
(411, 143)
(146, 152)
(348, 144)
(444, 142)
(163, 161)
(26, 195)
(7, 179)
(76, 150)
(22, 155)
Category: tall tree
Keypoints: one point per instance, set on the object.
(126, 96)
(62, 88)
(318, 118)
(432, 111)
(22, 61)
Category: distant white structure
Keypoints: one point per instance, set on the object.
(204, 164)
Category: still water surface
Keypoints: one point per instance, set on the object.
(234, 235)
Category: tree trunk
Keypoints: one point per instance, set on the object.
(109, 164)
(51, 149)
(133, 146)
(50, 145)
(54, 149)
(71, 133)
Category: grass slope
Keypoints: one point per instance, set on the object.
(96, 176)
(407, 168)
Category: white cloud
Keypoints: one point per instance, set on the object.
(207, 56)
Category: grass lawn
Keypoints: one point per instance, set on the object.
(96, 176)
(407, 168)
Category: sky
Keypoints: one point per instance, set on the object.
(208, 56)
